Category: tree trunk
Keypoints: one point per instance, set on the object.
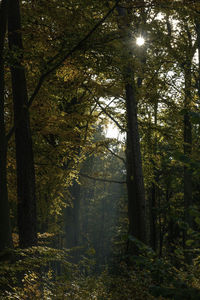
(135, 183)
(153, 217)
(23, 139)
(153, 196)
(197, 25)
(5, 228)
(188, 201)
(72, 218)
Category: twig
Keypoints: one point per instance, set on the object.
(114, 154)
(102, 179)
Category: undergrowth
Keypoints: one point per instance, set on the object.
(47, 273)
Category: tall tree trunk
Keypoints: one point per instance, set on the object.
(23, 139)
(188, 201)
(153, 217)
(100, 246)
(153, 197)
(135, 182)
(5, 229)
(197, 26)
(72, 218)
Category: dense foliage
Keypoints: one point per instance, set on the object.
(84, 215)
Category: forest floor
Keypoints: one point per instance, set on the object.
(43, 273)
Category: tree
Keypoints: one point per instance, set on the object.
(23, 139)
(72, 217)
(5, 229)
(135, 182)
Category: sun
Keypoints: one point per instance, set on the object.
(140, 41)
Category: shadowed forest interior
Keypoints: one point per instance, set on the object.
(100, 149)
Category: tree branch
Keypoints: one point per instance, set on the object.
(105, 111)
(75, 48)
(59, 63)
(109, 115)
(102, 179)
(114, 154)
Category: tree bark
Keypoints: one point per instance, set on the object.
(197, 27)
(188, 201)
(135, 182)
(153, 205)
(5, 228)
(23, 139)
(153, 217)
(72, 218)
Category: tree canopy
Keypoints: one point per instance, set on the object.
(84, 215)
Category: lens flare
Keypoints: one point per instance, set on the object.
(140, 41)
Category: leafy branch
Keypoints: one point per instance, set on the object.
(59, 63)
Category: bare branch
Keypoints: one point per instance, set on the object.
(109, 115)
(105, 111)
(102, 179)
(106, 106)
(114, 154)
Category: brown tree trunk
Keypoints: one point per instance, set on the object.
(5, 229)
(135, 183)
(188, 201)
(72, 218)
(23, 139)
(153, 196)
(153, 217)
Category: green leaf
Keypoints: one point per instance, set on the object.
(194, 117)
(197, 220)
(189, 242)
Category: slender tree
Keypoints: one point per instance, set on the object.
(72, 222)
(135, 182)
(188, 198)
(24, 150)
(5, 229)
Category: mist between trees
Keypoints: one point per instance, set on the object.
(84, 215)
